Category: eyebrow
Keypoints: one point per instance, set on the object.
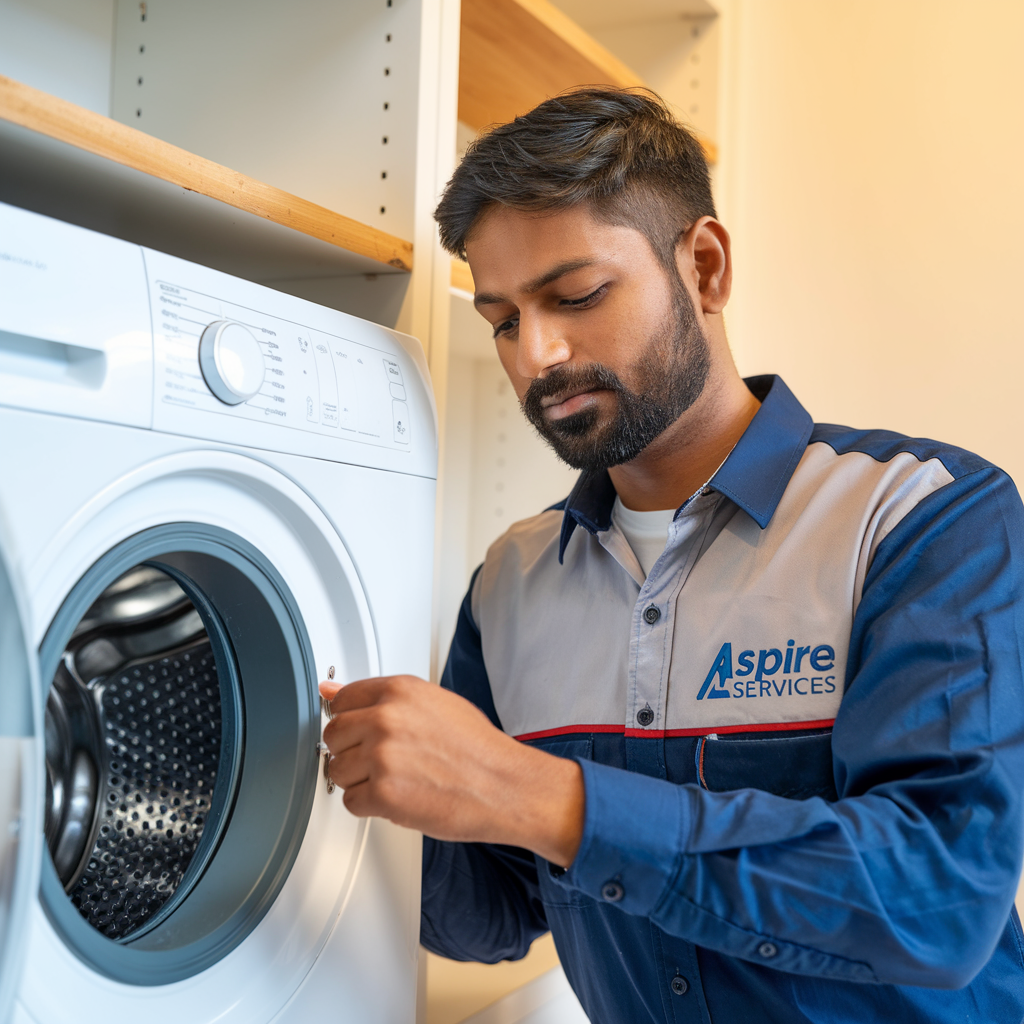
(487, 299)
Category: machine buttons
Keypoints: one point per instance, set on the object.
(400, 413)
(231, 362)
(328, 380)
(270, 370)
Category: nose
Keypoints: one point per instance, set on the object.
(541, 345)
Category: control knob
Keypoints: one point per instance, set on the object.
(231, 361)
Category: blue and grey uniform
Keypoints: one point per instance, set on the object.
(801, 736)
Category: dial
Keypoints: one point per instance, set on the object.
(231, 361)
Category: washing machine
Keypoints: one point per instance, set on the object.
(212, 495)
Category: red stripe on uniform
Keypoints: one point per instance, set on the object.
(565, 730)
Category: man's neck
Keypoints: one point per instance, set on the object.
(686, 455)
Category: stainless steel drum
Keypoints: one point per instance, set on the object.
(181, 732)
(134, 754)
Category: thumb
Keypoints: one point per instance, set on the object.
(329, 689)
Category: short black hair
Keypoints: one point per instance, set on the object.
(619, 151)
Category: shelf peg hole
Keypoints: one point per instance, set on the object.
(382, 209)
(387, 105)
(387, 71)
(383, 174)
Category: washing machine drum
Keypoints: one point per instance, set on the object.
(139, 758)
(176, 655)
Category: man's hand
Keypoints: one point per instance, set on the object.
(427, 759)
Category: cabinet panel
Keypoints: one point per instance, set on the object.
(317, 98)
(63, 47)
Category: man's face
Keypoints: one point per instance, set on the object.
(600, 342)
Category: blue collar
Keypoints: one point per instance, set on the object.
(754, 475)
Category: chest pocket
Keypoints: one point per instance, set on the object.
(796, 767)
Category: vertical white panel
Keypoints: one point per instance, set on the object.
(496, 469)
(454, 521)
(515, 474)
(63, 47)
(301, 95)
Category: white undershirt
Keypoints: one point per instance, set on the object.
(646, 532)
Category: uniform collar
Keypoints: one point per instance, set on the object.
(754, 475)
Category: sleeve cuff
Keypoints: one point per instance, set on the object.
(633, 837)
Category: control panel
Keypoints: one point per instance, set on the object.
(312, 380)
(238, 362)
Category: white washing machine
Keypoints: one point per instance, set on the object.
(211, 496)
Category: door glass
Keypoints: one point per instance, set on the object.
(134, 753)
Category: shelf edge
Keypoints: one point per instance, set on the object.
(66, 122)
(575, 36)
(462, 277)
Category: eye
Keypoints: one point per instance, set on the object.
(506, 326)
(587, 300)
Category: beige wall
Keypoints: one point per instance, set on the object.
(872, 160)
(871, 176)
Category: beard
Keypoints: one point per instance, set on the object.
(667, 378)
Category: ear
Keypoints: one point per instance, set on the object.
(704, 261)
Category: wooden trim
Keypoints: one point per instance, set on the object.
(84, 129)
(462, 276)
(517, 53)
(611, 69)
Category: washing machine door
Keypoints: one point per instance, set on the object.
(195, 860)
(20, 810)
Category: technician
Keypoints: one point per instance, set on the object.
(742, 719)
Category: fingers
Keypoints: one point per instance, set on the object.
(349, 729)
(349, 768)
(329, 688)
(364, 693)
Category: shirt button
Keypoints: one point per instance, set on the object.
(767, 950)
(680, 985)
(651, 615)
(645, 716)
(612, 892)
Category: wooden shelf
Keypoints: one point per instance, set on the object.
(516, 53)
(68, 162)
(462, 276)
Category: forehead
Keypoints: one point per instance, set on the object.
(509, 249)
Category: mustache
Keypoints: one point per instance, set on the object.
(569, 380)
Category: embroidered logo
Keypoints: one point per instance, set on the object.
(770, 672)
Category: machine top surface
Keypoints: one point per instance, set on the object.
(97, 328)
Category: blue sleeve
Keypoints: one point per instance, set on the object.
(480, 902)
(909, 878)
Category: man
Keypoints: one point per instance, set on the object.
(741, 721)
